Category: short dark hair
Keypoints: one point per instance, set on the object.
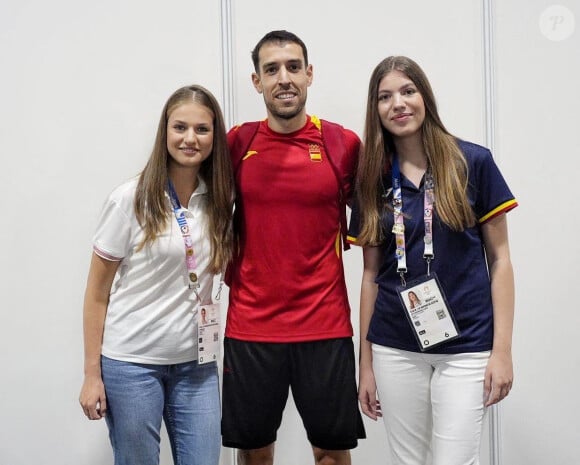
(278, 37)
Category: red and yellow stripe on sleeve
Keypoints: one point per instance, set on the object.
(503, 208)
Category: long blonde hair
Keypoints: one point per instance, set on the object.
(151, 206)
(445, 159)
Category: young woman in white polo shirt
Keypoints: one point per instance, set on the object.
(159, 242)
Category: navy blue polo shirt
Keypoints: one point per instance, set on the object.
(459, 261)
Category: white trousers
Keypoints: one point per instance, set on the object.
(432, 404)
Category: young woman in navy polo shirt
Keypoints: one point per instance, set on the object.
(431, 218)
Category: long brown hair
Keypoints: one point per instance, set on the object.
(151, 206)
(445, 159)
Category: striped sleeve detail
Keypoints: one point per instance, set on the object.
(503, 208)
(351, 240)
(106, 255)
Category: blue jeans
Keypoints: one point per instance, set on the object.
(185, 396)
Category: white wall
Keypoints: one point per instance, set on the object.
(537, 142)
(83, 84)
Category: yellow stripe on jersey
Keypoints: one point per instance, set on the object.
(504, 206)
(316, 121)
(249, 154)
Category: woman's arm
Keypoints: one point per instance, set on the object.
(367, 390)
(101, 275)
(499, 372)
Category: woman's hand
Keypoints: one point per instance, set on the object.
(367, 394)
(92, 398)
(499, 376)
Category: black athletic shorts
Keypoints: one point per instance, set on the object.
(256, 378)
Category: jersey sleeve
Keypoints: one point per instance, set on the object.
(232, 134)
(353, 150)
(354, 223)
(490, 192)
(112, 237)
(353, 146)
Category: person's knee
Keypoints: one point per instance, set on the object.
(261, 456)
(331, 457)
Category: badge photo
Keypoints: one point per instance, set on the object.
(428, 312)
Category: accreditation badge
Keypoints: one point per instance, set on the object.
(428, 312)
(208, 333)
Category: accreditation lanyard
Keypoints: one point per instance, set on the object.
(399, 221)
(190, 260)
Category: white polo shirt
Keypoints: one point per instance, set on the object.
(152, 313)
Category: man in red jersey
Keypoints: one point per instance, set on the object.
(288, 319)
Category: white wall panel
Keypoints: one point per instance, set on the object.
(83, 84)
(537, 143)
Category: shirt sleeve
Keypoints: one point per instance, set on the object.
(354, 224)
(490, 192)
(112, 237)
(353, 149)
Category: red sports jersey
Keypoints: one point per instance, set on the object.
(287, 281)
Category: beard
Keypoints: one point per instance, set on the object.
(286, 113)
